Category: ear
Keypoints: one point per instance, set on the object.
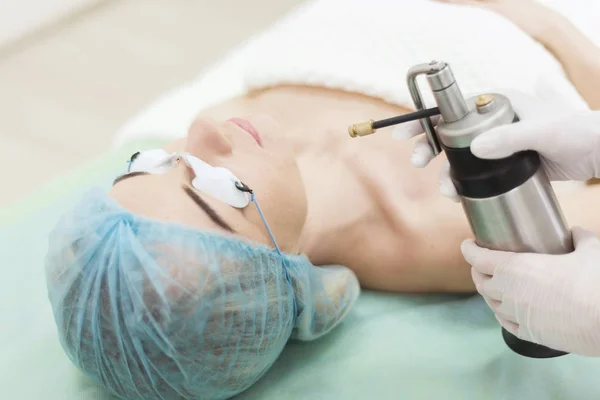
(324, 296)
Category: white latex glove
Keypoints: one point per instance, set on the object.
(552, 300)
(568, 142)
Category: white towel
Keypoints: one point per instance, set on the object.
(367, 46)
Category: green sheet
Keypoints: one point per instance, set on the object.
(390, 346)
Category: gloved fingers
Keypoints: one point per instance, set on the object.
(447, 188)
(491, 303)
(503, 316)
(479, 279)
(506, 140)
(411, 129)
(504, 310)
(527, 106)
(422, 153)
(484, 264)
(550, 136)
(407, 130)
(484, 260)
(494, 288)
(487, 286)
(534, 125)
(582, 238)
(509, 326)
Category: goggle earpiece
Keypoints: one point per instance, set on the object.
(242, 187)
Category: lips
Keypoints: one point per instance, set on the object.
(248, 128)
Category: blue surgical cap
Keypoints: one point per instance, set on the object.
(157, 310)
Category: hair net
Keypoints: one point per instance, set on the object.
(157, 310)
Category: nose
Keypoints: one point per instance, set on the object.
(206, 139)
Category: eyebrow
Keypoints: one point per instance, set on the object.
(212, 214)
(129, 175)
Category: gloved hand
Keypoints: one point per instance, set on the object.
(551, 300)
(568, 142)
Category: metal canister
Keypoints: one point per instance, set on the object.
(509, 203)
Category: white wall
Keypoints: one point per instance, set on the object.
(21, 17)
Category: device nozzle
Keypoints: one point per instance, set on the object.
(361, 129)
(370, 126)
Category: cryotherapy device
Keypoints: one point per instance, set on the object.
(509, 203)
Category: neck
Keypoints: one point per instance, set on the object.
(331, 220)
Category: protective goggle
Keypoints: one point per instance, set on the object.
(216, 182)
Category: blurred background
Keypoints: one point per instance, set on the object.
(73, 71)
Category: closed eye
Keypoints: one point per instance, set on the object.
(129, 175)
(212, 214)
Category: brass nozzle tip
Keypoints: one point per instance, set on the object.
(361, 129)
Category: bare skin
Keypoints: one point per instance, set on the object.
(358, 203)
(355, 202)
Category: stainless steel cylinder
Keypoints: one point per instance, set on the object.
(451, 103)
(442, 78)
(525, 219)
(447, 94)
(509, 203)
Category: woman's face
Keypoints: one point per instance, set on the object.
(254, 149)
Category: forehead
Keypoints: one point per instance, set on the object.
(136, 190)
(161, 197)
(170, 198)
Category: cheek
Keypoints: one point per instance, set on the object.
(279, 190)
(288, 198)
(282, 198)
(282, 191)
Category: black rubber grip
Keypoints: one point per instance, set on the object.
(479, 178)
